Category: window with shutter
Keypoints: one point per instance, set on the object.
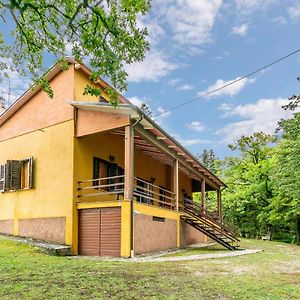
(26, 173)
(2, 178)
(14, 174)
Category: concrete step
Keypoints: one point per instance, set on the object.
(46, 247)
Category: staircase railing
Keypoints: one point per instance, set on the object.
(208, 222)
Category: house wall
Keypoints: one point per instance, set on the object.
(43, 128)
(151, 235)
(41, 111)
(189, 235)
(51, 196)
(81, 80)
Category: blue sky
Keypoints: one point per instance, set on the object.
(197, 45)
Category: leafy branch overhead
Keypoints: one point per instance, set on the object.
(294, 101)
(106, 33)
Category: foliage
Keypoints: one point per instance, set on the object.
(264, 183)
(106, 32)
(208, 159)
(249, 193)
(294, 101)
(286, 176)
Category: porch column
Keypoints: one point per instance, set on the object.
(219, 196)
(129, 163)
(176, 183)
(203, 200)
(128, 191)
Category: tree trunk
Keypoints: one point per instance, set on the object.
(298, 230)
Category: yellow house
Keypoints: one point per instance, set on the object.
(107, 181)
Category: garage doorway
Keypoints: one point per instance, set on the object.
(100, 231)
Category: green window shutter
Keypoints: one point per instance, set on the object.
(14, 173)
(2, 178)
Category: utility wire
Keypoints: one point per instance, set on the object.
(228, 84)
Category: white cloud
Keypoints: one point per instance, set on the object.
(248, 6)
(174, 81)
(190, 142)
(241, 30)
(230, 90)
(13, 87)
(193, 142)
(155, 66)
(294, 11)
(190, 21)
(196, 126)
(279, 20)
(137, 101)
(185, 87)
(263, 115)
(163, 113)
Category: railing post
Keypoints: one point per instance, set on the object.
(176, 183)
(203, 196)
(219, 196)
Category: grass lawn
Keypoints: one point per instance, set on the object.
(25, 273)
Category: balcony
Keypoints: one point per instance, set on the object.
(112, 189)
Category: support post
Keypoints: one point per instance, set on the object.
(176, 183)
(203, 196)
(219, 196)
(129, 163)
(128, 180)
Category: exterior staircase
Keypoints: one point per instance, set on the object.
(192, 214)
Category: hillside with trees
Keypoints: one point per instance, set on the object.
(263, 182)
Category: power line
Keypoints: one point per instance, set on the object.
(228, 84)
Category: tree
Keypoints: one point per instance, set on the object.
(106, 32)
(286, 176)
(249, 188)
(208, 158)
(294, 101)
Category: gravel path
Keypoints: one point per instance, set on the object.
(155, 258)
(196, 257)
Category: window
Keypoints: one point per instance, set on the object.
(16, 175)
(158, 219)
(104, 169)
(3, 177)
(145, 191)
(162, 196)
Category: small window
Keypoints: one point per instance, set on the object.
(16, 175)
(158, 219)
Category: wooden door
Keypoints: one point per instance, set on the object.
(110, 232)
(100, 232)
(89, 232)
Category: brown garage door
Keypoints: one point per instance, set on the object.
(100, 232)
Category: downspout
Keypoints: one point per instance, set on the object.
(131, 198)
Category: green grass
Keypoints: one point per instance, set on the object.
(26, 273)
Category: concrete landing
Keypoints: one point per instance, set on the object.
(47, 247)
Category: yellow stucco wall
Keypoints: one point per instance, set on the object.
(52, 150)
(81, 81)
